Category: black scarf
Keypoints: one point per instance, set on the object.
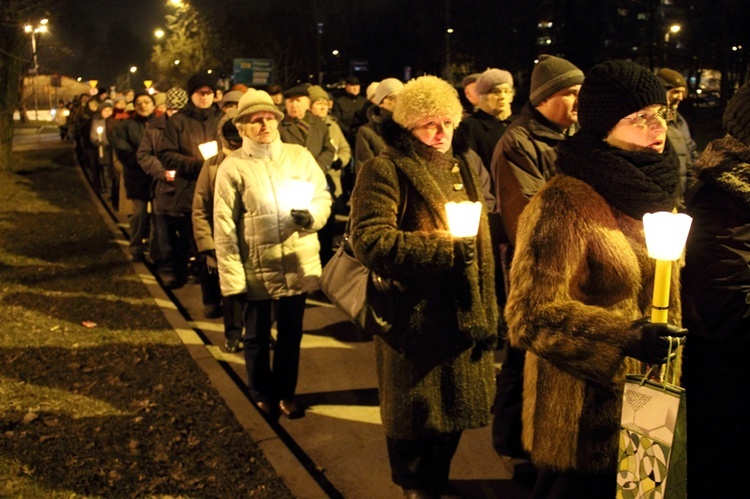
(634, 182)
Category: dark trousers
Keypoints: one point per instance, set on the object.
(139, 227)
(279, 382)
(506, 423)
(424, 463)
(233, 317)
(325, 236)
(209, 279)
(574, 485)
(174, 234)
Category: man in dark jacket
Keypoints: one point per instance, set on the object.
(346, 106)
(194, 125)
(125, 140)
(523, 161)
(299, 126)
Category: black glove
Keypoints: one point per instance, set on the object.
(302, 218)
(648, 342)
(336, 165)
(465, 250)
(211, 263)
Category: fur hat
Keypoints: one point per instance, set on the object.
(424, 98)
(671, 78)
(198, 80)
(370, 90)
(387, 87)
(613, 90)
(316, 92)
(550, 75)
(737, 115)
(491, 78)
(177, 98)
(254, 101)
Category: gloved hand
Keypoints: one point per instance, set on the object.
(337, 164)
(465, 250)
(211, 263)
(303, 218)
(648, 342)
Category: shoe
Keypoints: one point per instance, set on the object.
(290, 410)
(264, 407)
(212, 311)
(234, 346)
(522, 470)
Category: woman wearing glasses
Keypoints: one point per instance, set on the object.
(267, 246)
(581, 280)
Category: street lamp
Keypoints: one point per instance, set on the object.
(159, 33)
(40, 28)
(673, 30)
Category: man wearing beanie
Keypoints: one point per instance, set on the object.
(715, 309)
(523, 160)
(300, 126)
(369, 141)
(580, 296)
(126, 139)
(346, 106)
(487, 124)
(195, 124)
(679, 133)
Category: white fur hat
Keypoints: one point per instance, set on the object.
(424, 98)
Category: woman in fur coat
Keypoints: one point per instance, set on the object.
(582, 281)
(435, 366)
(716, 297)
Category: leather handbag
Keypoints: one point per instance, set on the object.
(364, 296)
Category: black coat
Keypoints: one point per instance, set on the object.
(125, 140)
(318, 140)
(482, 132)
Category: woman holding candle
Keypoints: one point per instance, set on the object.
(716, 294)
(582, 281)
(435, 366)
(267, 248)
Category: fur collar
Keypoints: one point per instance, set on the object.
(726, 164)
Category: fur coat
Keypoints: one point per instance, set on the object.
(435, 366)
(580, 276)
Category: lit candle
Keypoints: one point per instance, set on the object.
(99, 131)
(463, 218)
(666, 234)
(209, 149)
(299, 193)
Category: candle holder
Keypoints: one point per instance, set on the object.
(463, 218)
(666, 234)
(209, 149)
(99, 131)
(300, 193)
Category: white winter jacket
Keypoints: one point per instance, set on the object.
(259, 248)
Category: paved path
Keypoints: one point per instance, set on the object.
(338, 448)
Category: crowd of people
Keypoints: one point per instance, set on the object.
(557, 277)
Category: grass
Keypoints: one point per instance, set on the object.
(115, 410)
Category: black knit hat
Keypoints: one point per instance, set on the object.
(550, 75)
(199, 80)
(613, 90)
(737, 115)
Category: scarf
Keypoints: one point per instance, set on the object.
(634, 182)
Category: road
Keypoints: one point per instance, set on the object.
(340, 442)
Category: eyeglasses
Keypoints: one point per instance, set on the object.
(664, 114)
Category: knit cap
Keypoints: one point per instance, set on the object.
(387, 87)
(254, 101)
(613, 90)
(737, 115)
(177, 98)
(491, 78)
(424, 98)
(316, 92)
(550, 75)
(671, 78)
(198, 80)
